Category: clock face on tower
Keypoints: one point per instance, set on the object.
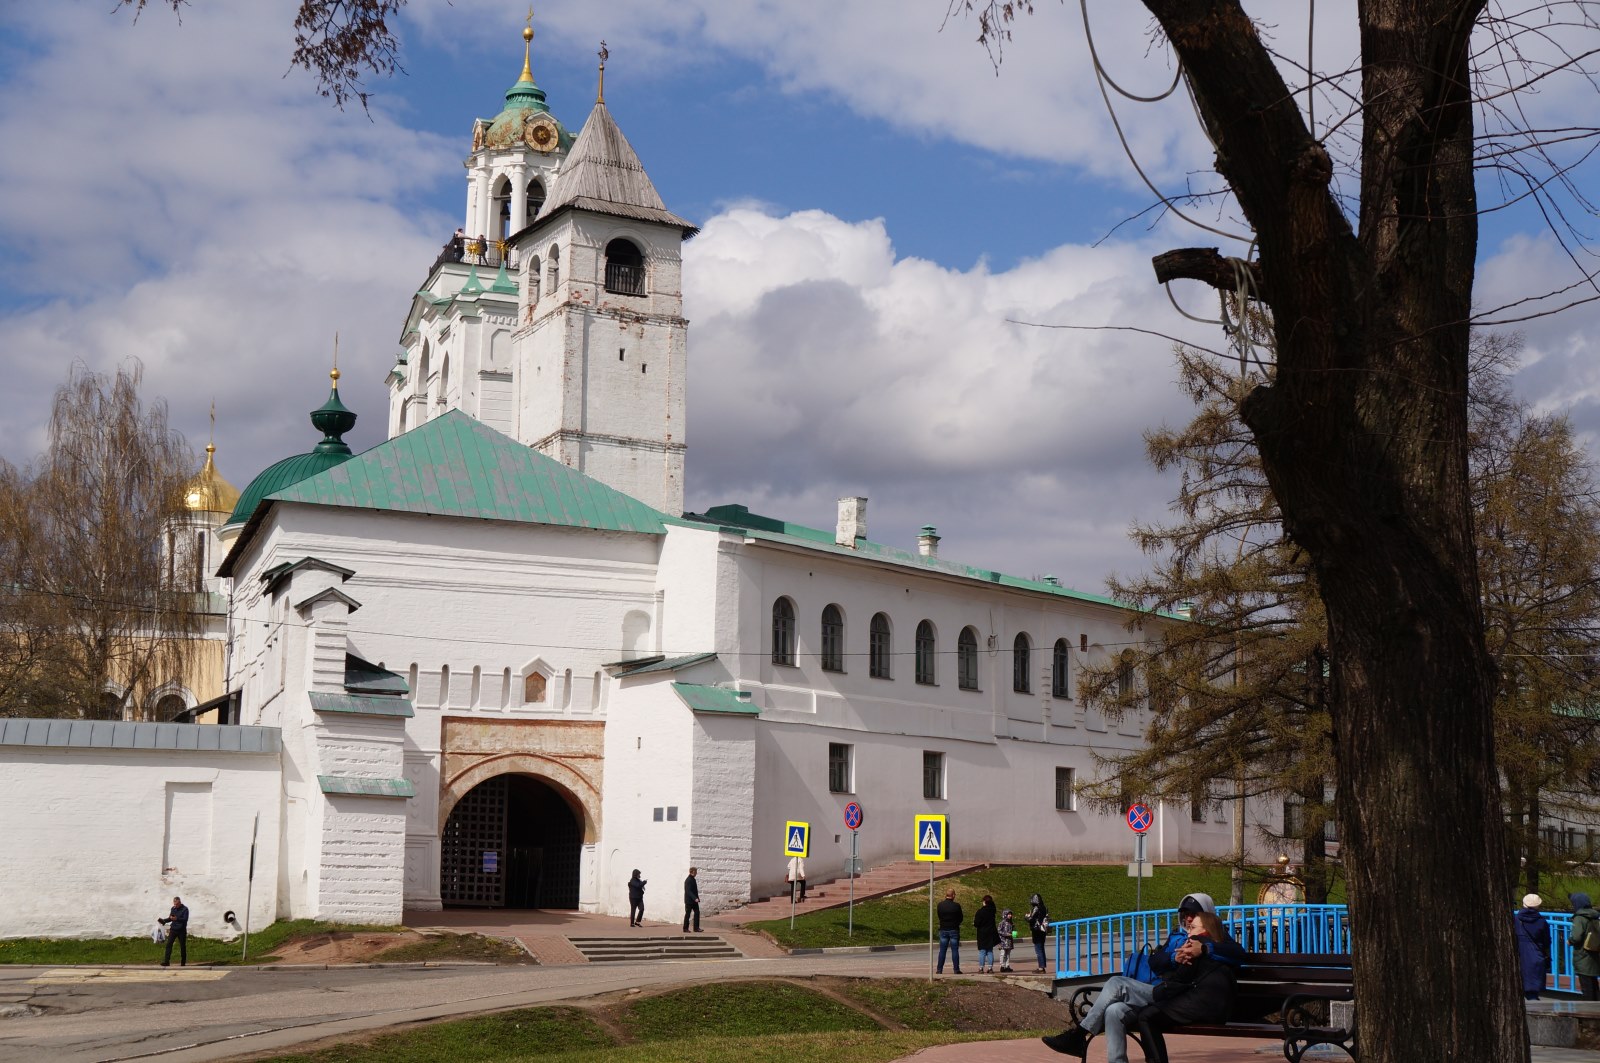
(539, 132)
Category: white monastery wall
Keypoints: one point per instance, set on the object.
(722, 817)
(98, 841)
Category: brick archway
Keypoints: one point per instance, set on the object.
(579, 792)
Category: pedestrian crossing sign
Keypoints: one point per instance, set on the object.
(933, 838)
(797, 839)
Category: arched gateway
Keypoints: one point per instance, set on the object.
(512, 841)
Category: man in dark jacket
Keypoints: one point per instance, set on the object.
(691, 901)
(950, 917)
(177, 922)
(636, 899)
(1116, 1007)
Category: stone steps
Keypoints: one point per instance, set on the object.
(835, 893)
(647, 949)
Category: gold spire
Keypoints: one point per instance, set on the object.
(527, 47)
(208, 492)
(334, 373)
(600, 93)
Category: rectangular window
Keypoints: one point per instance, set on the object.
(933, 775)
(841, 778)
(1066, 790)
(1199, 801)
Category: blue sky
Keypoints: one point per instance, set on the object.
(878, 208)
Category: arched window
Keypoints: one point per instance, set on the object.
(1021, 665)
(925, 652)
(967, 659)
(554, 255)
(832, 639)
(167, 708)
(533, 688)
(878, 648)
(783, 631)
(444, 379)
(534, 277)
(405, 415)
(502, 209)
(1059, 687)
(110, 707)
(624, 268)
(1124, 684)
(535, 199)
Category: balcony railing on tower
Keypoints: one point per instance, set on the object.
(624, 279)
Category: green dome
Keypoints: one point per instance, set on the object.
(333, 419)
(285, 473)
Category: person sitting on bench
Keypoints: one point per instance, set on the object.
(1118, 1003)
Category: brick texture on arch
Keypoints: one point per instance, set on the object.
(568, 755)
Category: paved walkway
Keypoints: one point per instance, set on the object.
(545, 933)
(1181, 1049)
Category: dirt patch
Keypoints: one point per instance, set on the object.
(341, 946)
(957, 1004)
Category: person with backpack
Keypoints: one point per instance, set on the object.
(1585, 942)
(1118, 1004)
(1007, 930)
(1039, 923)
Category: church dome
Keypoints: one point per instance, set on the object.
(525, 101)
(208, 492)
(332, 419)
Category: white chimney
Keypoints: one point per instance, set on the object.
(928, 541)
(852, 521)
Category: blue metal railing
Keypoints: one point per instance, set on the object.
(1098, 946)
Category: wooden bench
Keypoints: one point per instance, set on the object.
(1279, 995)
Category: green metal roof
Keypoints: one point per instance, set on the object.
(361, 787)
(456, 466)
(753, 525)
(667, 664)
(361, 704)
(714, 699)
(364, 677)
(279, 475)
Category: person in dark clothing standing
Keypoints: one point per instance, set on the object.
(177, 922)
(1039, 924)
(983, 925)
(636, 899)
(950, 917)
(1533, 945)
(1585, 962)
(691, 901)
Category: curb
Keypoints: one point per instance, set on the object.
(416, 965)
(857, 950)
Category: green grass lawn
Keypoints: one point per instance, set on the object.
(141, 950)
(732, 1022)
(1070, 891)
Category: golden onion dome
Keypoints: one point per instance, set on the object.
(208, 492)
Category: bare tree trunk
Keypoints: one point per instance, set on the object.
(1363, 438)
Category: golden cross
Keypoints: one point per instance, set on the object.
(530, 16)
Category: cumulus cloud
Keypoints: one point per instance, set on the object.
(824, 365)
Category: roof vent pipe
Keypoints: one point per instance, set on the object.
(928, 541)
(852, 521)
(1050, 580)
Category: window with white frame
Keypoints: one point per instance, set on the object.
(1066, 790)
(832, 639)
(878, 656)
(1060, 661)
(926, 653)
(841, 768)
(967, 659)
(1021, 664)
(932, 775)
(783, 632)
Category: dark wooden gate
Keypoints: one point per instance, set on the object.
(476, 827)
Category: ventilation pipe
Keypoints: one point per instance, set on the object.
(928, 541)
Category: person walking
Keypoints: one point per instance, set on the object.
(987, 932)
(1533, 945)
(1039, 924)
(691, 901)
(636, 899)
(1008, 940)
(797, 873)
(1585, 961)
(177, 923)
(950, 919)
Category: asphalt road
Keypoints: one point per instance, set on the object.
(82, 1014)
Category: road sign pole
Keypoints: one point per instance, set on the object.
(930, 922)
(1138, 860)
(792, 885)
(850, 919)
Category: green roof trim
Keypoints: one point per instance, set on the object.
(503, 283)
(359, 787)
(273, 576)
(456, 466)
(665, 664)
(361, 704)
(364, 677)
(714, 699)
(738, 518)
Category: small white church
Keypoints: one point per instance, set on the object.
(493, 662)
